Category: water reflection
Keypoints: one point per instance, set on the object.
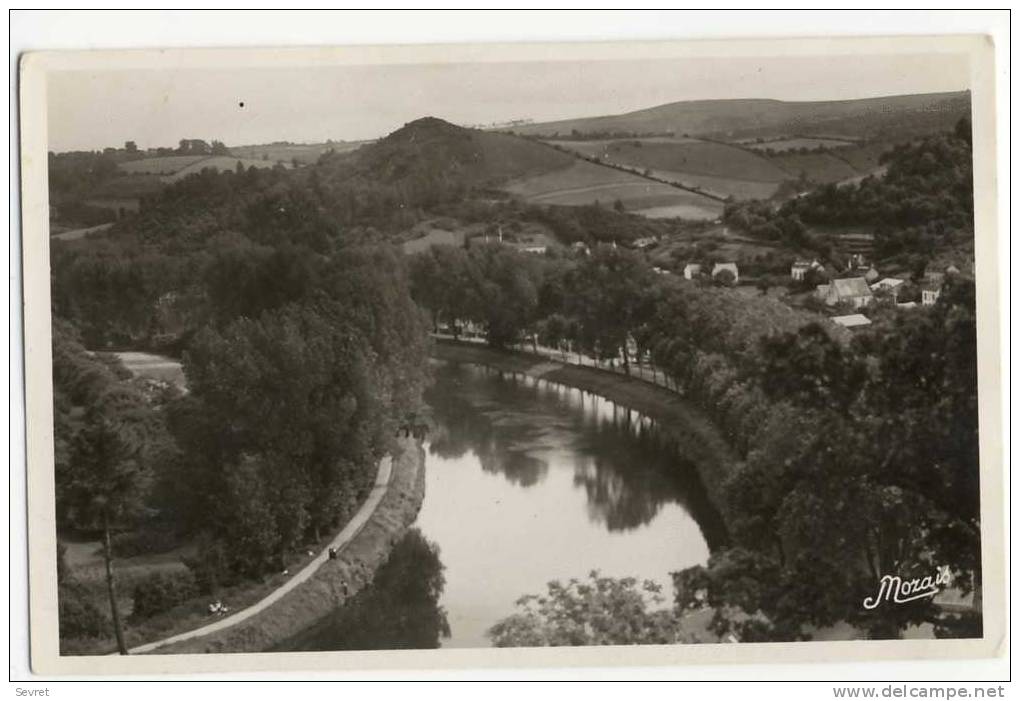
(399, 611)
(620, 460)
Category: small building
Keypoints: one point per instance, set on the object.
(887, 283)
(692, 270)
(906, 305)
(800, 268)
(532, 248)
(930, 293)
(852, 321)
(731, 267)
(660, 271)
(580, 247)
(644, 242)
(851, 290)
(890, 285)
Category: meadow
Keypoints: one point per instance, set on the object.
(305, 154)
(586, 183)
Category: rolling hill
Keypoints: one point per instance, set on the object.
(428, 151)
(897, 117)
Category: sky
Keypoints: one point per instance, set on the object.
(92, 110)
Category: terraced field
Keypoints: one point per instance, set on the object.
(586, 183)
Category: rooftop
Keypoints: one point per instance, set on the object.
(852, 320)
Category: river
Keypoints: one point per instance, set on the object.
(526, 482)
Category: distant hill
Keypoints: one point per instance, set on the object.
(897, 117)
(430, 148)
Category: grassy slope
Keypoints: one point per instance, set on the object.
(898, 115)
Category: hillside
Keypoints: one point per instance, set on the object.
(432, 149)
(897, 117)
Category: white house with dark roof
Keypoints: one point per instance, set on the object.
(692, 270)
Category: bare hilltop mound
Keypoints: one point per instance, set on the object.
(433, 148)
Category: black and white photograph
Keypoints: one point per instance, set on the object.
(382, 351)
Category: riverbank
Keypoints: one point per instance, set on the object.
(363, 546)
(694, 434)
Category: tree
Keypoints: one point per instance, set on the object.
(109, 473)
(596, 611)
(724, 278)
(130, 147)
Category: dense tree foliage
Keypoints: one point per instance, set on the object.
(923, 202)
(596, 611)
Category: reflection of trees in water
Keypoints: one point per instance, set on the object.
(462, 427)
(399, 610)
(628, 476)
(627, 471)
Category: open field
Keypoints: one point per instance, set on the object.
(798, 143)
(819, 167)
(75, 234)
(171, 168)
(155, 367)
(306, 154)
(161, 165)
(719, 186)
(719, 169)
(683, 156)
(586, 183)
(219, 163)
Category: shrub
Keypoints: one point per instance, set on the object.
(78, 616)
(161, 591)
(148, 541)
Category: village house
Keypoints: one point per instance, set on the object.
(891, 285)
(930, 292)
(853, 291)
(931, 286)
(692, 270)
(800, 268)
(732, 267)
